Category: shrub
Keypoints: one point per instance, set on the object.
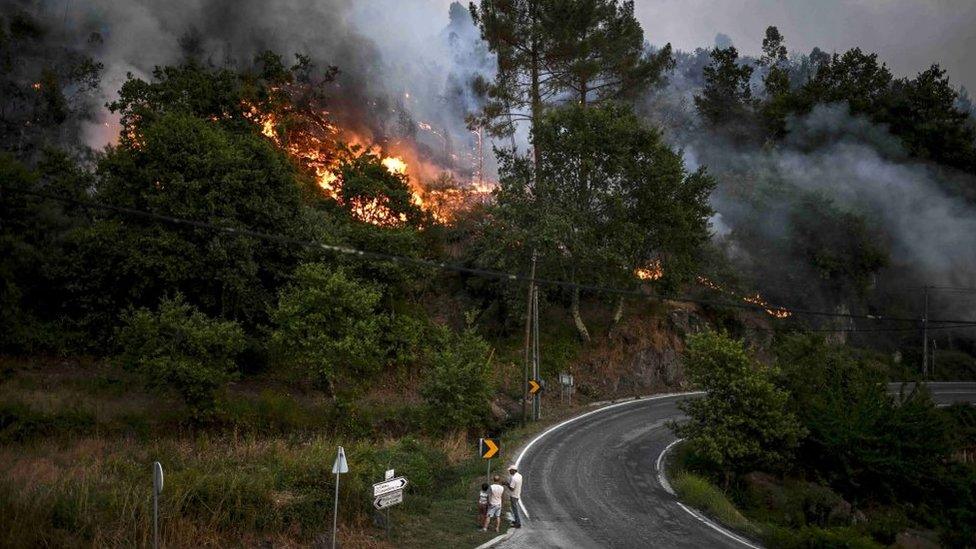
(862, 442)
(180, 349)
(811, 537)
(328, 327)
(456, 385)
(742, 423)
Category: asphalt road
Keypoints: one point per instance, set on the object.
(593, 482)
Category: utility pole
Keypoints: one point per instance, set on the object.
(528, 336)
(537, 398)
(925, 335)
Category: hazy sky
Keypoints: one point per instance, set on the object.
(909, 35)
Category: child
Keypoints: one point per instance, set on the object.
(482, 504)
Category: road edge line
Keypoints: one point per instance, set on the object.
(541, 435)
(662, 478)
(496, 540)
(708, 522)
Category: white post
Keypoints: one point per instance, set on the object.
(157, 489)
(155, 519)
(339, 467)
(335, 513)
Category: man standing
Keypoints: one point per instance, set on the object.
(515, 493)
(495, 492)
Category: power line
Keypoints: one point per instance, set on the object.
(863, 330)
(475, 271)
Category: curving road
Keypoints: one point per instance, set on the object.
(593, 481)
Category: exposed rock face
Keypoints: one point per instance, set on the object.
(643, 352)
(642, 355)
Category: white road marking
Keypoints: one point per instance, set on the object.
(662, 479)
(716, 527)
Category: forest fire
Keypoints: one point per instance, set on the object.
(758, 300)
(652, 271)
(320, 145)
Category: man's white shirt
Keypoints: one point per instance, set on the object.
(515, 485)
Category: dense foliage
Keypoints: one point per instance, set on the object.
(922, 111)
(592, 210)
(179, 349)
(327, 327)
(848, 447)
(742, 423)
(457, 387)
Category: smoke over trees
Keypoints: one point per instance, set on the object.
(818, 163)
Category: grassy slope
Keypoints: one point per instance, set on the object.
(77, 440)
(700, 493)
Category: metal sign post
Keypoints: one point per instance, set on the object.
(157, 489)
(566, 386)
(488, 448)
(390, 473)
(388, 493)
(339, 467)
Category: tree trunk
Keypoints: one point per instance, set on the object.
(536, 92)
(618, 313)
(578, 318)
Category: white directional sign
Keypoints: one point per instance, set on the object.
(389, 474)
(387, 486)
(388, 499)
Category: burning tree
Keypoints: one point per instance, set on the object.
(290, 107)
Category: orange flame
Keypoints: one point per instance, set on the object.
(652, 271)
(318, 147)
(758, 300)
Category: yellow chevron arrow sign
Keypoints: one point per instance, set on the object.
(488, 448)
(534, 386)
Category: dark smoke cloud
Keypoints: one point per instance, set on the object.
(401, 64)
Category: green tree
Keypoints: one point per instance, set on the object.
(776, 82)
(596, 50)
(514, 32)
(377, 195)
(186, 167)
(179, 349)
(860, 440)
(47, 87)
(591, 49)
(857, 78)
(604, 218)
(924, 112)
(328, 328)
(457, 388)
(743, 421)
(32, 246)
(726, 97)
